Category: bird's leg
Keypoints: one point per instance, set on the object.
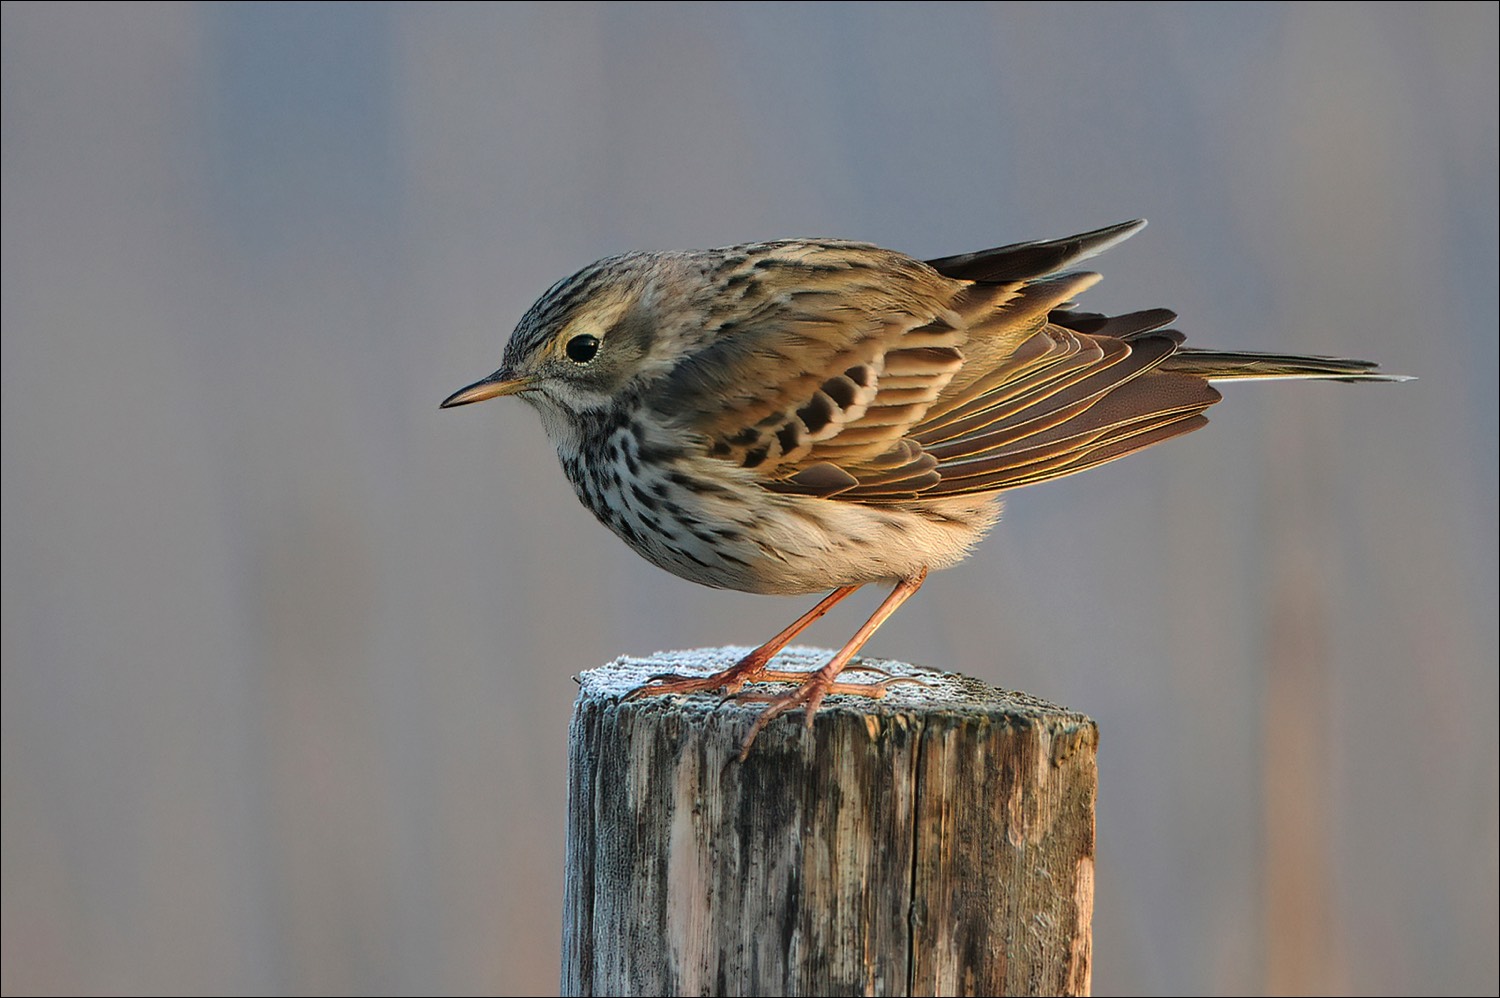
(815, 686)
(751, 668)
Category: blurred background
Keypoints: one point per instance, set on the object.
(287, 650)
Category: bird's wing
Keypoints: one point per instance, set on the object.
(831, 353)
(859, 374)
(1064, 402)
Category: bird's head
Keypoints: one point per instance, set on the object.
(594, 338)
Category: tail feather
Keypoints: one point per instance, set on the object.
(1238, 365)
(1027, 261)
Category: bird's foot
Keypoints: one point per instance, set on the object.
(750, 669)
(811, 689)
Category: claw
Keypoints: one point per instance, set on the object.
(671, 682)
(860, 665)
(885, 677)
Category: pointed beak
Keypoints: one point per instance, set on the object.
(495, 385)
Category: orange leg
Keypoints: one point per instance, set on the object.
(815, 686)
(752, 668)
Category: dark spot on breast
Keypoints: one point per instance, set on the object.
(755, 457)
(788, 437)
(749, 435)
(602, 423)
(681, 515)
(719, 553)
(701, 486)
(659, 455)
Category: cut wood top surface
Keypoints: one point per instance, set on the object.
(947, 692)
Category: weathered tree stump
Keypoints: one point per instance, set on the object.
(939, 841)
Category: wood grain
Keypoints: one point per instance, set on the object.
(937, 841)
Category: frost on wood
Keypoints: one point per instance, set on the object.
(937, 841)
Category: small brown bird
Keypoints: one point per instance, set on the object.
(811, 414)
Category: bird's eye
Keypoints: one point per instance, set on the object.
(581, 349)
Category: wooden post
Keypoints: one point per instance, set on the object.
(939, 841)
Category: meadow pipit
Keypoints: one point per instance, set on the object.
(810, 414)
